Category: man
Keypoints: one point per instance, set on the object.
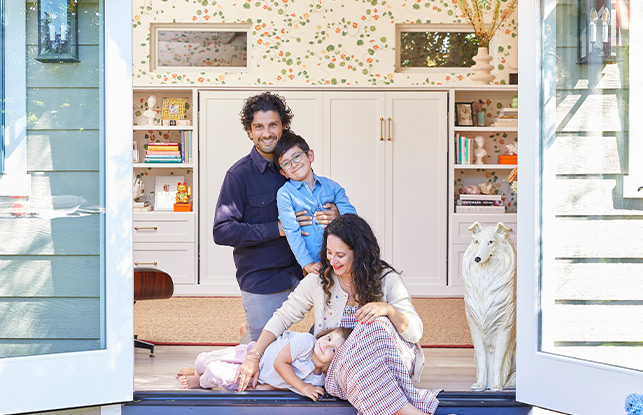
(246, 215)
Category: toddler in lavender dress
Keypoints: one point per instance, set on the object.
(295, 361)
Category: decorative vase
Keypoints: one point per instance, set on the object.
(482, 68)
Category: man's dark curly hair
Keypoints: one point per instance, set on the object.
(367, 266)
(265, 102)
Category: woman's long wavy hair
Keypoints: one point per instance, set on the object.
(367, 267)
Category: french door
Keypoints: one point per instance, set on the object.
(66, 291)
(580, 291)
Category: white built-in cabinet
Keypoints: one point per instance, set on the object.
(496, 138)
(166, 240)
(387, 149)
(391, 150)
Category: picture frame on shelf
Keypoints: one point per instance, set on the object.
(463, 114)
(165, 192)
(173, 109)
(134, 151)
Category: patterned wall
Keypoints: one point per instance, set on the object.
(312, 42)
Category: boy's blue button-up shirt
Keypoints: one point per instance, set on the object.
(295, 196)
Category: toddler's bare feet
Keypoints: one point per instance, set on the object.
(186, 371)
(190, 382)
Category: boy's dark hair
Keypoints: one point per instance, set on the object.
(287, 141)
(265, 102)
(344, 332)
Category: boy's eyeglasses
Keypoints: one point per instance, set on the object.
(296, 158)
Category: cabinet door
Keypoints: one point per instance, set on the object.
(355, 144)
(416, 183)
(223, 142)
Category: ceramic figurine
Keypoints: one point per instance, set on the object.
(183, 193)
(150, 113)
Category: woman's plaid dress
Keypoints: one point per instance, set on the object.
(373, 369)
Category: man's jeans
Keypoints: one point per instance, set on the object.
(259, 309)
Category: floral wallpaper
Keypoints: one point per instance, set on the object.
(311, 42)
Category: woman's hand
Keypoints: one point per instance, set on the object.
(311, 391)
(367, 313)
(324, 217)
(248, 371)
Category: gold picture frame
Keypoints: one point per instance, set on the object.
(173, 109)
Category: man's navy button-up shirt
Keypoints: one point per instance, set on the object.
(246, 219)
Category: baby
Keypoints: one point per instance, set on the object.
(295, 361)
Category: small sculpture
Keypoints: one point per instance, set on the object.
(514, 102)
(489, 275)
(471, 189)
(479, 152)
(150, 113)
(486, 188)
(183, 193)
(137, 187)
(512, 148)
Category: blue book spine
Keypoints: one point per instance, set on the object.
(189, 146)
(183, 146)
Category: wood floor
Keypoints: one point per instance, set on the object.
(448, 369)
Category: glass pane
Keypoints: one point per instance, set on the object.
(433, 49)
(591, 285)
(52, 271)
(194, 48)
(2, 101)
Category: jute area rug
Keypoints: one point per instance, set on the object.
(215, 321)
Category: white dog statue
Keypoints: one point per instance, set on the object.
(489, 272)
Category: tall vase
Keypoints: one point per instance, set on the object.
(482, 69)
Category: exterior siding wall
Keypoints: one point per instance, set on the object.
(50, 269)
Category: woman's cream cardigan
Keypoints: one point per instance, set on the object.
(328, 313)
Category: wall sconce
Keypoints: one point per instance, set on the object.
(58, 31)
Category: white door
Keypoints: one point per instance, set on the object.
(416, 227)
(222, 142)
(66, 292)
(580, 257)
(389, 151)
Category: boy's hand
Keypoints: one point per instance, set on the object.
(311, 391)
(304, 220)
(324, 217)
(313, 267)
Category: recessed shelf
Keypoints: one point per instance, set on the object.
(163, 127)
(163, 165)
(486, 129)
(485, 166)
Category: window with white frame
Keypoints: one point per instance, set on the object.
(199, 47)
(432, 46)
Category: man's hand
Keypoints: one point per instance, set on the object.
(325, 217)
(313, 267)
(311, 391)
(304, 219)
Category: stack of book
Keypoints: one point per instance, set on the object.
(463, 149)
(507, 117)
(480, 204)
(163, 153)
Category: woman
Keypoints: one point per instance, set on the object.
(356, 288)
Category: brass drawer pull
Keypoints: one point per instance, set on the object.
(144, 228)
(389, 129)
(146, 263)
(381, 128)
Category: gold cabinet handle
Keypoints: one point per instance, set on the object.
(145, 228)
(389, 129)
(146, 263)
(381, 128)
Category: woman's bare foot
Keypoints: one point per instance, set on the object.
(186, 371)
(190, 382)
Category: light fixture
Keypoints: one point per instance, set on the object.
(58, 31)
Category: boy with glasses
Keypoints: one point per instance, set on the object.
(304, 191)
